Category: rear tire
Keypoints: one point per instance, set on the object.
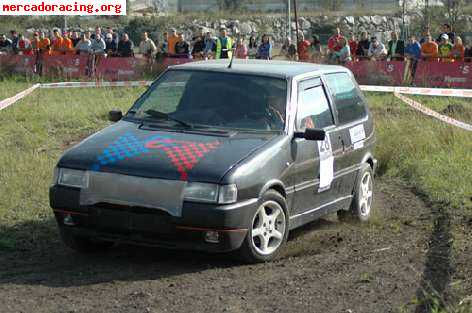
(268, 229)
(84, 245)
(361, 206)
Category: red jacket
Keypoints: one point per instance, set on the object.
(333, 42)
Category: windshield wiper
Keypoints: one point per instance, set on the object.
(162, 115)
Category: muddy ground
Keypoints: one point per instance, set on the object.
(327, 266)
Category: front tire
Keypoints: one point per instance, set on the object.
(268, 231)
(361, 206)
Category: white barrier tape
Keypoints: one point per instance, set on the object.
(9, 101)
(443, 92)
(96, 84)
(418, 106)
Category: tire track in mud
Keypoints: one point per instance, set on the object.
(433, 290)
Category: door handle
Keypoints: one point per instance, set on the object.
(342, 142)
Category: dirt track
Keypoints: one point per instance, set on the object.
(328, 266)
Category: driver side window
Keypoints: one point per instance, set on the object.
(313, 107)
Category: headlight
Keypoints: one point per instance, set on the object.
(55, 175)
(73, 178)
(210, 193)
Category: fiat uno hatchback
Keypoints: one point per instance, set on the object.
(221, 159)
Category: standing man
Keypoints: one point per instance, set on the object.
(5, 44)
(67, 46)
(147, 47)
(24, 45)
(56, 44)
(353, 44)
(14, 41)
(445, 48)
(446, 30)
(333, 41)
(182, 48)
(74, 36)
(125, 47)
(396, 48)
(224, 45)
(412, 54)
(303, 47)
(363, 45)
(429, 49)
(377, 51)
(172, 39)
(209, 48)
(110, 45)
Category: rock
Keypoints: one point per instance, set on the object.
(349, 20)
(377, 20)
(304, 23)
(245, 28)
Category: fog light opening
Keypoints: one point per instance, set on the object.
(212, 236)
(68, 220)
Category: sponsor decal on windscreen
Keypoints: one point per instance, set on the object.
(62, 7)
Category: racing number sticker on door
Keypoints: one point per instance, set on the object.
(326, 164)
(357, 136)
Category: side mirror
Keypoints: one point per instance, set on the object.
(115, 115)
(312, 134)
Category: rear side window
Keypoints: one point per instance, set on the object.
(347, 97)
(313, 107)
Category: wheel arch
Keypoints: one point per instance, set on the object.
(276, 185)
(369, 159)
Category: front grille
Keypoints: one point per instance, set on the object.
(129, 220)
(130, 209)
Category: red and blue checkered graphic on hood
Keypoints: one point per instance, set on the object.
(183, 155)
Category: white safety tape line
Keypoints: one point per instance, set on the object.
(9, 101)
(418, 106)
(443, 92)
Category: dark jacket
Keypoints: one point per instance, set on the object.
(182, 49)
(400, 49)
(111, 46)
(125, 48)
(363, 46)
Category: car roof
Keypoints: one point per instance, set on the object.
(273, 68)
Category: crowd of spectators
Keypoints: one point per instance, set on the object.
(448, 47)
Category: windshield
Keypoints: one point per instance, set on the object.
(214, 100)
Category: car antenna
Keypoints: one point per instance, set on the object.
(233, 49)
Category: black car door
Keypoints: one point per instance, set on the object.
(315, 185)
(354, 127)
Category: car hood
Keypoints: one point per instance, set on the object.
(128, 149)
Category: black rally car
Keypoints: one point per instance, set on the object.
(220, 159)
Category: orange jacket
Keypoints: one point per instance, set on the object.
(458, 52)
(171, 41)
(430, 48)
(56, 46)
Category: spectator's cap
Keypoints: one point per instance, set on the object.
(445, 37)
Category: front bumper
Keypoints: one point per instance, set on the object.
(152, 226)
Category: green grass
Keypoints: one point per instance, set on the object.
(432, 156)
(33, 134)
